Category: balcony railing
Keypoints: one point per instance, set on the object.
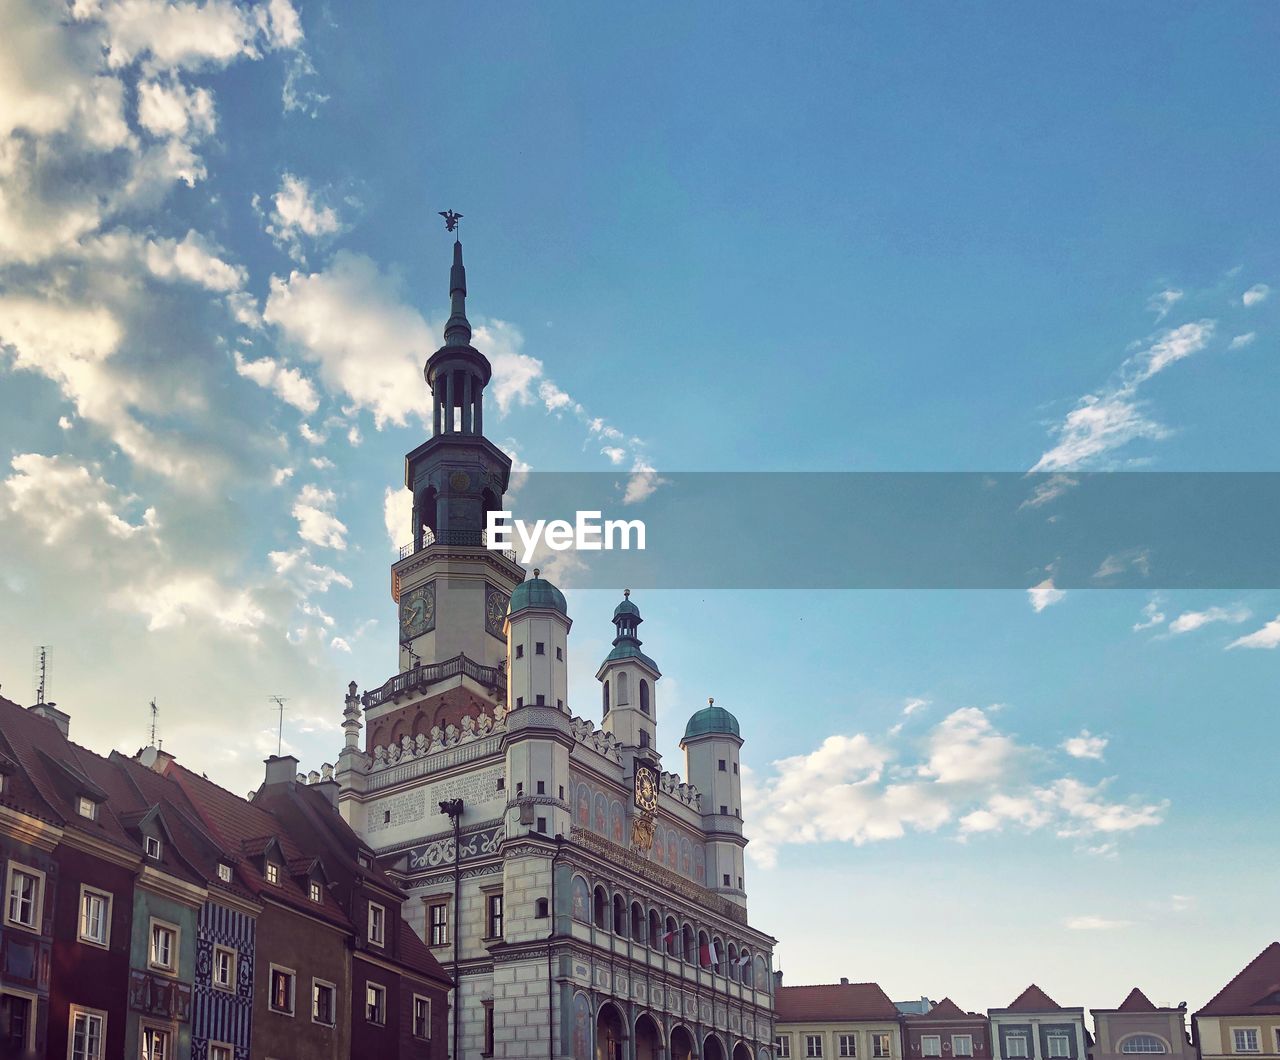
(466, 538)
(420, 677)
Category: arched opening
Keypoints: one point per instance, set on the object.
(424, 517)
(639, 923)
(717, 956)
(655, 929)
(687, 950)
(673, 938)
(741, 1051)
(609, 1034)
(601, 918)
(648, 1038)
(731, 963)
(681, 1044)
(605, 693)
(644, 695)
(623, 691)
(704, 950)
(747, 964)
(1143, 1045)
(581, 900)
(713, 1048)
(619, 916)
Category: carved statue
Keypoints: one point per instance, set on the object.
(468, 729)
(485, 724)
(437, 738)
(450, 735)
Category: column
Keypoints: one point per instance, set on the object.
(478, 417)
(466, 403)
(435, 406)
(447, 403)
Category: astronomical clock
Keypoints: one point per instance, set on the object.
(417, 611)
(646, 799)
(495, 611)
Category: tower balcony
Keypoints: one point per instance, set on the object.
(418, 678)
(455, 538)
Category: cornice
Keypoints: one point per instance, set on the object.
(168, 886)
(28, 829)
(101, 848)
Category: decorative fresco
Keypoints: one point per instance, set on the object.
(673, 847)
(581, 1027)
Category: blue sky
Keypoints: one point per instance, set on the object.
(869, 238)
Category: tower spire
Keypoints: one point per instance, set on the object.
(457, 332)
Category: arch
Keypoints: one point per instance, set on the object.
(687, 950)
(605, 695)
(731, 963)
(489, 502)
(673, 850)
(624, 689)
(581, 900)
(717, 955)
(762, 980)
(747, 966)
(610, 1032)
(397, 732)
(424, 516)
(421, 725)
(600, 814)
(581, 1032)
(713, 1047)
(1144, 1045)
(639, 923)
(699, 864)
(601, 909)
(686, 858)
(682, 1044)
(619, 916)
(644, 696)
(582, 811)
(648, 1037)
(672, 938)
(655, 929)
(742, 1051)
(704, 950)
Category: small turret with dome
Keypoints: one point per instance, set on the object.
(537, 645)
(712, 746)
(628, 680)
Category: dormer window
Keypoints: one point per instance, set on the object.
(86, 807)
(273, 873)
(152, 846)
(377, 924)
(224, 872)
(364, 861)
(316, 895)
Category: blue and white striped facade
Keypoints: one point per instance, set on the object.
(219, 1015)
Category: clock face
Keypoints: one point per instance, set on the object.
(646, 789)
(495, 611)
(417, 611)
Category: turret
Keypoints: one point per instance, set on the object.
(628, 683)
(712, 746)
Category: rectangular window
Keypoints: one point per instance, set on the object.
(152, 846)
(315, 892)
(224, 872)
(1015, 1046)
(488, 1028)
(273, 873)
(880, 1044)
(88, 1034)
(377, 924)
(962, 1045)
(722, 765)
(224, 968)
(157, 1044)
(849, 1045)
(282, 990)
(323, 1002)
(519, 651)
(560, 655)
(17, 1026)
(421, 1016)
(539, 648)
(164, 947)
(95, 916)
(25, 892)
(541, 700)
(219, 1051)
(438, 918)
(542, 787)
(931, 1044)
(1058, 1045)
(495, 916)
(812, 1045)
(86, 807)
(542, 825)
(375, 1004)
(782, 1046)
(1245, 1039)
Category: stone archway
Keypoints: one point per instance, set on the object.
(609, 1033)
(648, 1038)
(742, 1051)
(713, 1048)
(682, 1047)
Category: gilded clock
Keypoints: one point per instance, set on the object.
(418, 611)
(646, 793)
(495, 611)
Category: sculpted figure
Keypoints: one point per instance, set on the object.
(468, 729)
(437, 738)
(450, 735)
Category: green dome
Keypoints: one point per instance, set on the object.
(537, 592)
(626, 608)
(711, 720)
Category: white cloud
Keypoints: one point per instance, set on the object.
(966, 747)
(194, 261)
(168, 108)
(397, 516)
(289, 384)
(1086, 745)
(641, 483)
(1189, 621)
(297, 213)
(1094, 923)
(1255, 294)
(615, 455)
(1045, 594)
(316, 523)
(1151, 616)
(1161, 302)
(1267, 637)
(913, 704)
(1241, 341)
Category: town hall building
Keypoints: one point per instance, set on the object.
(589, 903)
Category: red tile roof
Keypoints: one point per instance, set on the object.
(1254, 992)
(1033, 999)
(1137, 1001)
(835, 1001)
(946, 1009)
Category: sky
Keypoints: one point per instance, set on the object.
(879, 237)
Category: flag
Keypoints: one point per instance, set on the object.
(715, 955)
(744, 960)
(669, 937)
(704, 955)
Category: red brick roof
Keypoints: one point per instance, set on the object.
(1254, 992)
(1033, 999)
(1137, 1001)
(836, 1001)
(946, 1009)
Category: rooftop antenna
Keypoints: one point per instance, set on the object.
(279, 701)
(40, 664)
(155, 713)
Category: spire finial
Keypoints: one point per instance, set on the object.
(626, 594)
(457, 332)
(536, 572)
(711, 701)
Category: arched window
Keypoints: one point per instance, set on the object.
(644, 695)
(747, 966)
(619, 916)
(638, 922)
(605, 693)
(540, 909)
(1143, 1043)
(717, 956)
(687, 950)
(704, 957)
(624, 696)
(731, 968)
(673, 938)
(602, 909)
(655, 929)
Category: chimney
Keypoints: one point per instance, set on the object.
(282, 769)
(329, 789)
(844, 980)
(777, 981)
(50, 712)
(154, 758)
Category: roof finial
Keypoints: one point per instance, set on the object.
(626, 594)
(457, 332)
(711, 701)
(536, 572)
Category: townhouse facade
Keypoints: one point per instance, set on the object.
(945, 1030)
(1243, 1018)
(1139, 1028)
(837, 1020)
(1035, 1027)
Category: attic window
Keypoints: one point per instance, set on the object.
(86, 807)
(315, 892)
(152, 847)
(273, 872)
(364, 861)
(224, 872)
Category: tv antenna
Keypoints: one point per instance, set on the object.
(40, 664)
(155, 714)
(279, 701)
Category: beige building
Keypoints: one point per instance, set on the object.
(1139, 1028)
(837, 1020)
(1243, 1020)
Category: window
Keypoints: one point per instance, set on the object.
(375, 1003)
(273, 873)
(323, 1002)
(644, 696)
(377, 924)
(88, 1033)
(95, 916)
(539, 648)
(282, 990)
(17, 1027)
(1015, 1045)
(644, 738)
(157, 1044)
(726, 879)
(386, 816)
(519, 651)
(721, 767)
(1058, 1045)
(86, 808)
(164, 947)
(540, 908)
(540, 700)
(1142, 1043)
(962, 1045)
(220, 1051)
(931, 1044)
(559, 655)
(880, 1044)
(438, 919)
(224, 968)
(224, 872)
(1245, 1039)
(494, 908)
(724, 811)
(542, 787)
(316, 894)
(488, 1028)
(26, 897)
(542, 825)
(421, 1016)
(782, 1046)
(812, 1045)
(849, 1045)
(519, 702)
(152, 847)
